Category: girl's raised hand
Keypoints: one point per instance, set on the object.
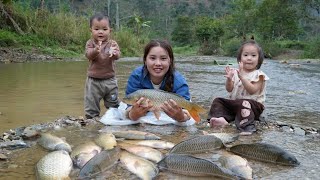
(98, 48)
(229, 72)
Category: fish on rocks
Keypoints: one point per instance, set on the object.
(198, 144)
(55, 165)
(139, 166)
(157, 97)
(51, 142)
(265, 152)
(106, 141)
(143, 151)
(82, 153)
(100, 163)
(236, 164)
(158, 144)
(131, 134)
(192, 166)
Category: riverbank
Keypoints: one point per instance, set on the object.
(19, 55)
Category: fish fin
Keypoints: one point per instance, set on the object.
(194, 114)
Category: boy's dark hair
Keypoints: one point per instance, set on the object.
(260, 52)
(166, 46)
(99, 17)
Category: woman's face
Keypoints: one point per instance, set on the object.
(158, 63)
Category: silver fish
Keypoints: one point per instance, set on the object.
(100, 163)
(143, 168)
(53, 143)
(158, 144)
(142, 151)
(226, 137)
(237, 164)
(157, 97)
(198, 144)
(106, 141)
(130, 134)
(82, 153)
(265, 152)
(55, 165)
(192, 166)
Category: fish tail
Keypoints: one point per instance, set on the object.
(194, 112)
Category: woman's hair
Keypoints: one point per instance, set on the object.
(99, 17)
(166, 46)
(260, 52)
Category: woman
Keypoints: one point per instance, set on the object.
(158, 72)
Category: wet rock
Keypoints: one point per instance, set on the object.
(14, 144)
(299, 131)
(287, 129)
(29, 133)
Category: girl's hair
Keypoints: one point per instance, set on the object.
(166, 46)
(99, 17)
(260, 52)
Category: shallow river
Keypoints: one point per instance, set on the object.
(33, 93)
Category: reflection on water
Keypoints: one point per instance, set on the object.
(33, 93)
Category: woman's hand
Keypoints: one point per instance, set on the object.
(173, 110)
(139, 108)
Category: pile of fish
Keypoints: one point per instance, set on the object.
(139, 152)
(143, 154)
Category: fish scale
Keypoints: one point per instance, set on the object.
(197, 144)
(193, 166)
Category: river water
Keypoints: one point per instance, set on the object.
(33, 93)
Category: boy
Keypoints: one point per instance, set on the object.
(101, 82)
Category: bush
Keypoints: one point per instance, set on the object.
(312, 49)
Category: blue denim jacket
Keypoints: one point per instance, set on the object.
(139, 79)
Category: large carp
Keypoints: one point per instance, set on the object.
(52, 142)
(55, 165)
(139, 166)
(193, 166)
(265, 152)
(157, 97)
(198, 144)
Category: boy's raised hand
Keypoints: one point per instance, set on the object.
(114, 50)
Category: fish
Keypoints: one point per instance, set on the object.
(236, 164)
(266, 153)
(192, 166)
(158, 144)
(139, 166)
(198, 144)
(51, 142)
(157, 97)
(100, 163)
(226, 137)
(142, 151)
(55, 165)
(82, 153)
(130, 134)
(106, 141)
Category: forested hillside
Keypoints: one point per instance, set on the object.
(205, 27)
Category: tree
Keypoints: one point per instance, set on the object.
(183, 32)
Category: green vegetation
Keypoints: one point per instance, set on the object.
(194, 28)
